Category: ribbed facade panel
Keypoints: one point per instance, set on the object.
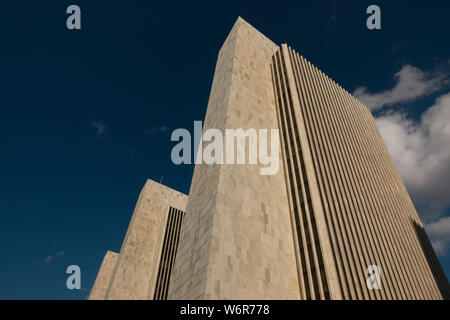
(368, 216)
(168, 253)
(336, 206)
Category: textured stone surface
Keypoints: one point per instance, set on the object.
(236, 241)
(104, 276)
(356, 193)
(135, 273)
(239, 238)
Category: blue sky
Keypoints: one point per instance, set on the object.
(86, 115)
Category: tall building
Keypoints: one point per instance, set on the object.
(336, 211)
(142, 269)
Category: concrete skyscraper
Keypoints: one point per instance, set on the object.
(336, 210)
(142, 269)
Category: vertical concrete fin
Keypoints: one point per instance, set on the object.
(135, 274)
(104, 276)
(236, 240)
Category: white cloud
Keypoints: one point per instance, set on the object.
(439, 233)
(100, 127)
(411, 83)
(153, 130)
(421, 152)
(397, 46)
(53, 257)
